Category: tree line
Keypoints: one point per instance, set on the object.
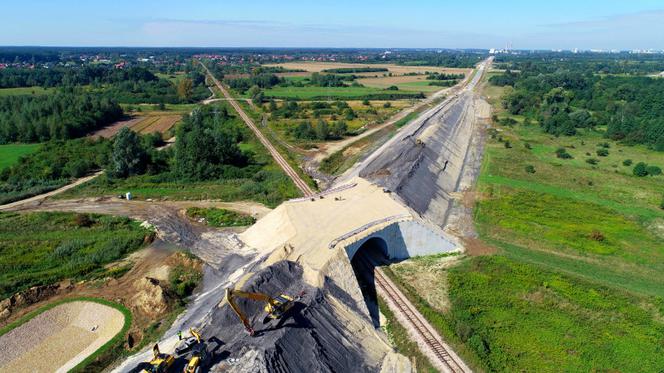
(63, 115)
(631, 108)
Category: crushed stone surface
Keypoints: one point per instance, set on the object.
(59, 338)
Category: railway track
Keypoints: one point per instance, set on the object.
(299, 183)
(447, 360)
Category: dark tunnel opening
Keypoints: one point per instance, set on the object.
(373, 253)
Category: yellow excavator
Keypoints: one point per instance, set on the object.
(199, 354)
(275, 308)
(160, 363)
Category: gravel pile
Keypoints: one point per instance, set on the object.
(59, 338)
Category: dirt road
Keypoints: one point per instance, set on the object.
(38, 199)
(299, 183)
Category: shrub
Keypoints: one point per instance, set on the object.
(183, 280)
(592, 161)
(627, 162)
(604, 145)
(661, 204)
(602, 152)
(507, 144)
(387, 105)
(597, 236)
(530, 169)
(653, 170)
(527, 145)
(640, 169)
(563, 154)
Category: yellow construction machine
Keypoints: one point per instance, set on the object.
(160, 363)
(199, 354)
(275, 308)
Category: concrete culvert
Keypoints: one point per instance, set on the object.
(312, 337)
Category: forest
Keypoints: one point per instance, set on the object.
(564, 98)
(63, 115)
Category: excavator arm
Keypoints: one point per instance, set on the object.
(274, 308)
(230, 298)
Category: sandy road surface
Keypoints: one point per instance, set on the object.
(299, 183)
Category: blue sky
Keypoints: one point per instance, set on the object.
(531, 24)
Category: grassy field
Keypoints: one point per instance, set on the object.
(216, 217)
(68, 246)
(414, 83)
(310, 93)
(24, 91)
(270, 187)
(577, 283)
(9, 154)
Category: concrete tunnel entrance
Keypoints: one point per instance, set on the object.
(373, 253)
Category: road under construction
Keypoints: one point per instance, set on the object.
(395, 203)
(326, 248)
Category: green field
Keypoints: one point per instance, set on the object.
(220, 217)
(309, 93)
(270, 187)
(24, 91)
(68, 246)
(9, 154)
(577, 283)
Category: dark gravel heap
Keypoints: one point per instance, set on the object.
(309, 339)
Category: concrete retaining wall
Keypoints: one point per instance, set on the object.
(406, 239)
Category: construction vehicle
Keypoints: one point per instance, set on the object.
(188, 343)
(275, 308)
(199, 354)
(160, 363)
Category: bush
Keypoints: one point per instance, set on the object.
(661, 204)
(507, 144)
(563, 154)
(640, 169)
(527, 146)
(387, 105)
(627, 162)
(183, 280)
(653, 170)
(602, 152)
(592, 161)
(530, 169)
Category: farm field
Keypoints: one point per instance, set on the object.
(143, 124)
(24, 91)
(415, 83)
(394, 69)
(10, 153)
(330, 93)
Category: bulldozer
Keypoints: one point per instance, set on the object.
(275, 308)
(160, 363)
(199, 354)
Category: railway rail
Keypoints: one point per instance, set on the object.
(299, 183)
(446, 358)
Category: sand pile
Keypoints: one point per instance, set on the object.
(59, 338)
